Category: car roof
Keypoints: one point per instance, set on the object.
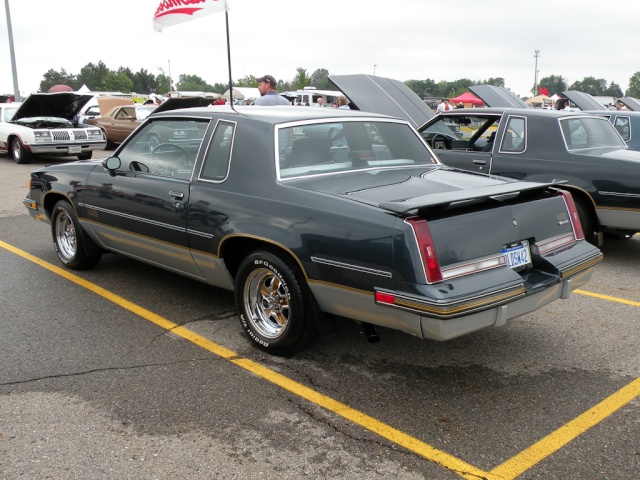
(273, 115)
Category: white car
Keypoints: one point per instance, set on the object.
(47, 123)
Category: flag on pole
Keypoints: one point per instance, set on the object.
(172, 12)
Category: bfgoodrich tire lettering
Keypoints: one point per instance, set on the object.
(274, 304)
(68, 239)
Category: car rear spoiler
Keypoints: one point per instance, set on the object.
(465, 196)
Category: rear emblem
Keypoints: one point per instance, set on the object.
(515, 222)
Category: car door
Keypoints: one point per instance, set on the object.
(140, 209)
(122, 124)
(464, 140)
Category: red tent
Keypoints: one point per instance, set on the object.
(467, 98)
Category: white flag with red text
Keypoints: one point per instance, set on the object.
(172, 12)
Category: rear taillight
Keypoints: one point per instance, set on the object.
(573, 214)
(427, 249)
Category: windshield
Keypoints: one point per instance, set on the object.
(589, 132)
(8, 114)
(340, 146)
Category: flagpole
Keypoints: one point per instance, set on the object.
(226, 16)
(16, 90)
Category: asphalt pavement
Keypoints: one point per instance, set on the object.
(127, 371)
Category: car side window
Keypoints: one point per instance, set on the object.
(622, 126)
(164, 147)
(218, 157)
(513, 138)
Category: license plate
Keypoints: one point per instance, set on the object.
(75, 149)
(517, 255)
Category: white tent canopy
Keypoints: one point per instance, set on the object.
(243, 93)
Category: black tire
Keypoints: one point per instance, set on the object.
(85, 156)
(69, 241)
(20, 154)
(587, 220)
(110, 145)
(274, 304)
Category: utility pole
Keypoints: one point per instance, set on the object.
(16, 91)
(535, 78)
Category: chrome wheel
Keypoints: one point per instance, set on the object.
(65, 236)
(266, 300)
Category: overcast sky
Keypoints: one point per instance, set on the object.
(401, 39)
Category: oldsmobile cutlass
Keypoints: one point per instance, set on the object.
(532, 144)
(315, 215)
(47, 123)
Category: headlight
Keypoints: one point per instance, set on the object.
(94, 134)
(42, 135)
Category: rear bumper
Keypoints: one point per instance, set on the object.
(447, 319)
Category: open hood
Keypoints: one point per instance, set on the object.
(583, 101)
(60, 105)
(174, 103)
(384, 96)
(631, 103)
(106, 103)
(498, 97)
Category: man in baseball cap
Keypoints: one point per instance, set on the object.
(268, 94)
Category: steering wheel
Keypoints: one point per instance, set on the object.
(440, 141)
(184, 161)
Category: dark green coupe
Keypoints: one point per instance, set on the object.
(313, 215)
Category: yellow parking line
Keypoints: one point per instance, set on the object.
(537, 452)
(402, 439)
(509, 469)
(608, 297)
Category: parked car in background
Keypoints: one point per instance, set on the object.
(46, 123)
(631, 103)
(121, 120)
(626, 122)
(312, 215)
(532, 144)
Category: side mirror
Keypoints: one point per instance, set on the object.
(112, 164)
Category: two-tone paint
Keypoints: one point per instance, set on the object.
(350, 234)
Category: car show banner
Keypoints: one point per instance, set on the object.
(173, 12)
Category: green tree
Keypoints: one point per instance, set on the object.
(320, 79)
(634, 86)
(613, 90)
(301, 79)
(117, 82)
(193, 83)
(52, 78)
(554, 84)
(496, 82)
(93, 76)
(220, 87)
(248, 81)
(590, 85)
(144, 82)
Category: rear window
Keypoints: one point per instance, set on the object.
(589, 132)
(340, 146)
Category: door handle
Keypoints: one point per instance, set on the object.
(177, 195)
(479, 161)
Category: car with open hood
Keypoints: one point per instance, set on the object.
(47, 123)
(121, 120)
(583, 150)
(626, 122)
(314, 215)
